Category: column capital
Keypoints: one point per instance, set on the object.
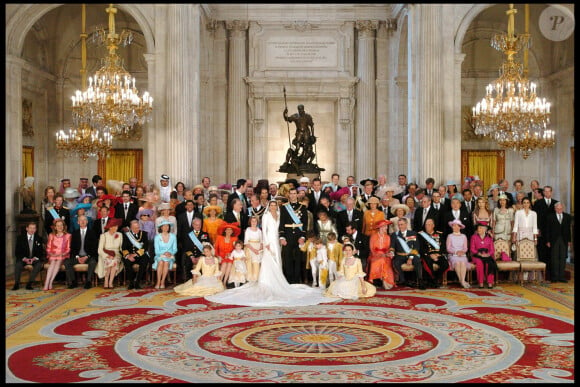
(149, 58)
(459, 58)
(237, 25)
(366, 28)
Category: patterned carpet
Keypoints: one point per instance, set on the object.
(508, 334)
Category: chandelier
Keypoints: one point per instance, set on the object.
(111, 103)
(82, 141)
(511, 113)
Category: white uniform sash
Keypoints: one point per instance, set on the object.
(195, 240)
(404, 244)
(429, 239)
(292, 214)
(134, 241)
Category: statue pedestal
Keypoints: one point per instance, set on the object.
(22, 221)
(297, 177)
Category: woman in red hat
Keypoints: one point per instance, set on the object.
(380, 264)
(224, 245)
(109, 264)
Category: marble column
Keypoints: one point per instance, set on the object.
(13, 154)
(427, 113)
(382, 90)
(182, 151)
(152, 166)
(237, 150)
(365, 132)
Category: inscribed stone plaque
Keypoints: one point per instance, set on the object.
(301, 52)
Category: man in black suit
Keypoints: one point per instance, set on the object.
(350, 214)
(404, 240)
(440, 208)
(426, 211)
(292, 234)
(126, 210)
(198, 205)
(236, 214)
(99, 224)
(180, 208)
(543, 208)
(83, 249)
(239, 193)
(360, 242)
(456, 212)
(468, 202)
(134, 250)
(57, 211)
(402, 182)
(314, 197)
(29, 251)
(97, 181)
(558, 240)
(190, 242)
(185, 219)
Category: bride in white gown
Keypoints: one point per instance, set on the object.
(271, 288)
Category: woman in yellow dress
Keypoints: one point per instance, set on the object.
(350, 283)
(206, 275)
(211, 221)
(372, 217)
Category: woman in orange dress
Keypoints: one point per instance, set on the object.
(211, 221)
(372, 217)
(224, 245)
(380, 259)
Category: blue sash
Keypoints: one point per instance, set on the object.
(195, 241)
(404, 245)
(431, 241)
(133, 241)
(292, 214)
(54, 214)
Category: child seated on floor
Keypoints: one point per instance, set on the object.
(206, 275)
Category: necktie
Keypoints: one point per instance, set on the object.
(126, 208)
(425, 210)
(436, 206)
(560, 218)
(104, 221)
(548, 202)
(456, 214)
(82, 252)
(468, 206)
(30, 245)
(350, 216)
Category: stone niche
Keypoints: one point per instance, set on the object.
(314, 64)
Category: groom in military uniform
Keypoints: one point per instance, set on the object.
(292, 231)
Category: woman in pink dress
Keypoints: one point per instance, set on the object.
(57, 250)
(457, 248)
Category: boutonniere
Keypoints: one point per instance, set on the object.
(116, 236)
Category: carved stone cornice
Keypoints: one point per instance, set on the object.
(300, 26)
(367, 28)
(237, 25)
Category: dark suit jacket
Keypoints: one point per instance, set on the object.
(361, 243)
(473, 203)
(555, 230)
(342, 221)
(229, 217)
(98, 227)
(183, 225)
(432, 213)
(91, 190)
(180, 209)
(22, 250)
(542, 210)
(91, 243)
(465, 218)
(312, 205)
(234, 195)
(131, 213)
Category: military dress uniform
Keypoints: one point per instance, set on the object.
(293, 259)
(433, 276)
(191, 253)
(142, 257)
(401, 257)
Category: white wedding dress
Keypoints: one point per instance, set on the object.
(271, 288)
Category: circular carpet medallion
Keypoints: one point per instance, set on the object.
(348, 344)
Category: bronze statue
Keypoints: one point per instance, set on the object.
(301, 153)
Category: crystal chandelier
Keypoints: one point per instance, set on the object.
(111, 103)
(82, 141)
(511, 113)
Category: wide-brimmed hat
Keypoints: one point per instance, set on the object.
(493, 186)
(233, 226)
(457, 222)
(197, 186)
(338, 194)
(382, 223)
(364, 181)
(502, 196)
(83, 196)
(71, 193)
(212, 188)
(482, 224)
(451, 182)
(145, 211)
(112, 198)
(301, 188)
(86, 206)
(397, 206)
(164, 222)
(164, 206)
(373, 199)
(148, 197)
(225, 187)
(206, 210)
(112, 222)
(393, 188)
